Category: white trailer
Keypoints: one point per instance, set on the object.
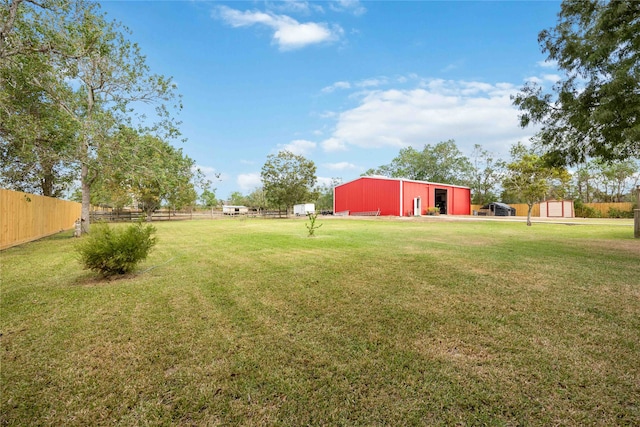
(303, 209)
(234, 210)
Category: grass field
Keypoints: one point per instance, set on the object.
(372, 322)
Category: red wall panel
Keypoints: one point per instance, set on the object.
(368, 195)
(460, 201)
(411, 190)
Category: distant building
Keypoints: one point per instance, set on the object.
(557, 209)
(370, 195)
(234, 210)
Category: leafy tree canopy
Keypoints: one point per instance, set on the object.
(594, 111)
(443, 163)
(288, 179)
(529, 176)
(44, 45)
(162, 174)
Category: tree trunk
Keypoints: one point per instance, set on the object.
(47, 184)
(86, 199)
(530, 205)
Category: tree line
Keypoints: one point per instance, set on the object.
(491, 178)
(526, 177)
(72, 87)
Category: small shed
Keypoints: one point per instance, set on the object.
(557, 209)
(374, 195)
(234, 210)
(497, 209)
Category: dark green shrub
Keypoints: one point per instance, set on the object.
(619, 213)
(583, 211)
(116, 250)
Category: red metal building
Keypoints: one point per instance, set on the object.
(369, 195)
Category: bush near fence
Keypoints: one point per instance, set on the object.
(25, 217)
(612, 210)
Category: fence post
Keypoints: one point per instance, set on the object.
(636, 216)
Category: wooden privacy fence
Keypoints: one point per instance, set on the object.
(129, 215)
(602, 208)
(26, 217)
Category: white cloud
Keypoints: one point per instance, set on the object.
(336, 85)
(366, 83)
(534, 79)
(249, 181)
(436, 110)
(353, 6)
(340, 166)
(452, 66)
(323, 181)
(327, 115)
(374, 82)
(553, 78)
(543, 80)
(334, 144)
(299, 147)
(295, 6)
(288, 33)
(548, 64)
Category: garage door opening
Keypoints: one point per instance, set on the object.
(441, 200)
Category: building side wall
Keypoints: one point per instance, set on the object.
(368, 195)
(460, 201)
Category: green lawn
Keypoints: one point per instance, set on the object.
(372, 322)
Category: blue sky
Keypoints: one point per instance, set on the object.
(346, 83)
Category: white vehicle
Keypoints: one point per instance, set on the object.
(303, 209)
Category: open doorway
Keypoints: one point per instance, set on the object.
(441, 200)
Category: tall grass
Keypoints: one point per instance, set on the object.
(372, 322)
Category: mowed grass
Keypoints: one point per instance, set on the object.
(372, 322)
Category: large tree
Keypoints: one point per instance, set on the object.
(257, 199)
(36, 136)
(528, 176)
(617, 179)
(162, 175)
(325, 195)
(443, 163)
(485, 177)
(594, 110)
(288, 179)
(95, 77)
